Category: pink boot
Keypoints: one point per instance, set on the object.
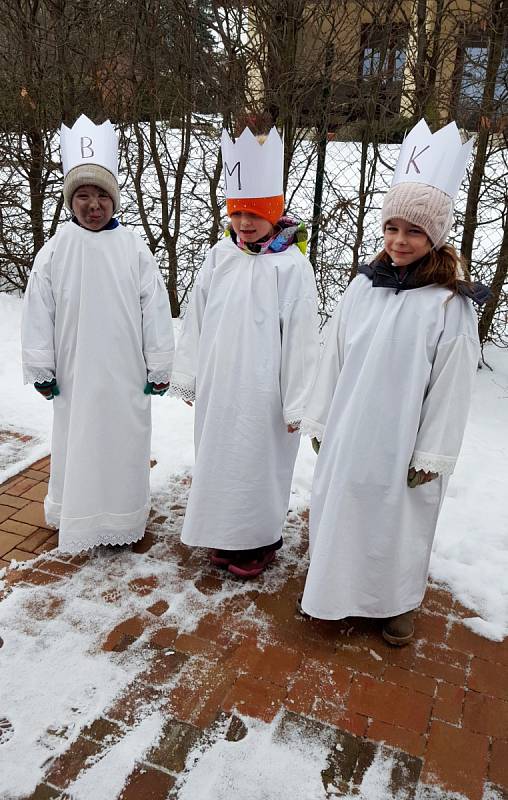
(222, 558)
(254, 567)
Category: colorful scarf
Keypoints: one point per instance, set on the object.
(288, 231)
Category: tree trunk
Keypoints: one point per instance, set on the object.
(35, 172)
(321, 156)
(421, 57)
(173, 277)
(499, 19)
(500, 277)
(214, 184)
(362, 198)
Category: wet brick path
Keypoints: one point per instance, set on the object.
(438, 706)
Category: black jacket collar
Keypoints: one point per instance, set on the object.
(390, 277)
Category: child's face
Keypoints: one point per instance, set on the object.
(250, 227)
(405, 242)
(92, 207)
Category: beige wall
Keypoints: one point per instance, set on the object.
(344, 31)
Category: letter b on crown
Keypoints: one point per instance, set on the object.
(86, 147)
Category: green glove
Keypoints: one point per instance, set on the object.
(156, 388)
(48, 389)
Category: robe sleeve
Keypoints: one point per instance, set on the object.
(183, 380)
(158, 339)
(300, 353)
(327, 375)
(38, 323)
(448, 397)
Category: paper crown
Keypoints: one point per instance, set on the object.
(87, 143)
(252, 169)
(436, 159)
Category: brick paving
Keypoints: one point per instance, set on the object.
(13, 446)
(438, 706)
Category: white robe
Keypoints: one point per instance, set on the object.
(393, 390)
(96, 316)
(248, 353)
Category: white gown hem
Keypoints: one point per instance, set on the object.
(76, 546)
(326, 615)
(243, 544)
(96, 522)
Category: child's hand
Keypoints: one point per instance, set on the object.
(48, 389)
(418, 477)
(156, 388)
(292, 429)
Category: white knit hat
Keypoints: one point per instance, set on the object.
(90, 157)
(426, 180)
(422, 205)
(94, 175)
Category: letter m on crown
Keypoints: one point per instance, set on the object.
(230, 172)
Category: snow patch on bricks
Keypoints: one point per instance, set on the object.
(491, 793)
(257, 766)
(55, 677)
(264, 764)
(437, 793)
(105, 779)
(53, 681)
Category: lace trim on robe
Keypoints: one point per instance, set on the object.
(184, 392)
(37, 374)
(309, 427)
(104, 537)
(431, 462)
(158, 376)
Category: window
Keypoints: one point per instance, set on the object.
(382, 59)
(470, 74)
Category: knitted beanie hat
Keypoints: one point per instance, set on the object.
(422, 205)
(94, 175)
(269, 208)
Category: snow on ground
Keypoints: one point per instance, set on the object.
(470, 552)
(258, 766)
(75, 681)
(275, 765)
(105, 779)
(19, 410)
(54, 678)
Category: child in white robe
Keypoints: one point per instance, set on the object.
(97, 340)
(389, 407)
(247, 355)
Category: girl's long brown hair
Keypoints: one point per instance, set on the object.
(445, 267)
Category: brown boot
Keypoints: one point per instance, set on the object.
(300, 609)
(399, 630)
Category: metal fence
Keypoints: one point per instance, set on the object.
(355, 177)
